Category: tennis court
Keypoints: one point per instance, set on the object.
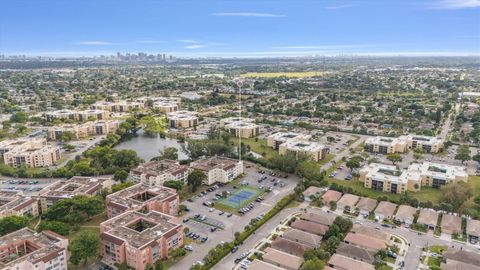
(240, 197)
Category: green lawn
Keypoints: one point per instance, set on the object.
(327, 159)
(259, 146)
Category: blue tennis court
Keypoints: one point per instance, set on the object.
(241, 197)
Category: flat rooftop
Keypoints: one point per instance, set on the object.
(137, 195)
(154, 168)
(215, 162)
(76, 185)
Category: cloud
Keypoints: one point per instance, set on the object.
(192, 41)
(248, 14)
(339, 6)
(454, 4)
(324, 47)
(96, 42)
(194, 46)
(149, 41)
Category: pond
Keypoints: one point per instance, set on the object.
(148, 146)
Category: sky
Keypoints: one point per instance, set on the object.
(249, 28)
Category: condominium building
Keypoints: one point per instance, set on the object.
(77, 185)
(155, 173)
(166, 107)
(388, 178)
(138, 239)
(78, 115)
(31, 152)
(243, 129)
(117, 106)
(390, 145)
(182, 119)
(218, 169)
(386, 145)
(427, 143)
(14, 203)
(79, 131)
(276, 139)
(27, 249)
(315, 151)
(230, 120)
(141, 197)
(176, 100)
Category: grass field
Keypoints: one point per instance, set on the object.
(284, 74)
(259, 147)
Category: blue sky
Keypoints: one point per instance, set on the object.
(240, 27)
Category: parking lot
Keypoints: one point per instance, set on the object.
(340, 143)
(230, 222)
(27, 186)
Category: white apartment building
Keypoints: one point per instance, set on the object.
(427, 143)
(276, 139)
(390, 145)
(166, 107)
(242, 128)
(218, 169)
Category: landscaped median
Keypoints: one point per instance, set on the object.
(220, 251)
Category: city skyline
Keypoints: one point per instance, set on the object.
(246, 29)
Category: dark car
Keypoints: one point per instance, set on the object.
(234, 249)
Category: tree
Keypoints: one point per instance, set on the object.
(169, 153)
(12, 223)
(418, 153)
(121, 186)
(331, 244)
(19, 117)
(178, 185)
(66, 136)
(455, 194)
(394, 158)
(463, 153)
(353, 163)
(120, 175)
(313, 264)
(195, 179)
(55, 226)
(84, 247)
(476, 158)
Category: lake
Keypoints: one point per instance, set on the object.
(147, 146)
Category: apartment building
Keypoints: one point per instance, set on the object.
(77, 185)
(390, 145)
(386, 145)
(182, 119)
(27, 249)
(315, 151)
(78, 115)
(141, 197)
(388, 178)
(243, 129)
(427, 143)
(155, 173)
(176, 100)
(31, 152)
(80, 131)
(138, 239)
(218, 169)
(276, 139)
(166, 107)
(14, 203)
(117, 106)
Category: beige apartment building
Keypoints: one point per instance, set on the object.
(166, 107)
(117, 106)
(218, 169)
(155, 173)
(14, 203)
(277, 139)
(242, 129)
(77, 185)
(138, 238)
(141, 197)
(390, 145)
(31, 152)
(182, 119)
(314, 150)
(26, 249)
(78, 115)
(80, 131)
(388, 178)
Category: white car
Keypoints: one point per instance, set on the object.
(189, 248)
